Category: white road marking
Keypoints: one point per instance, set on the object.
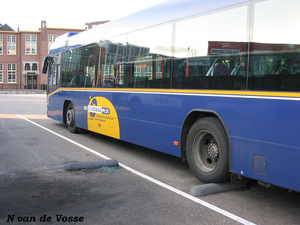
(157, 182)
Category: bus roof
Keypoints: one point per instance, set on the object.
(162, 13)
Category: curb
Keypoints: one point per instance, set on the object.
(214, 188)
(91, 165)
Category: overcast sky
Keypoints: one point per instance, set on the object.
(27, 15)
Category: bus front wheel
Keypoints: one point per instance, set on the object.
(208, 151)
(70, 118)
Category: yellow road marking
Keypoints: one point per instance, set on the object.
(24, 95)
(21, 100)
(27, 116)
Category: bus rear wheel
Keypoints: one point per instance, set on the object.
(70, 119)
(208, 151)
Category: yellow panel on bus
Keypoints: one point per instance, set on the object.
(102, 117)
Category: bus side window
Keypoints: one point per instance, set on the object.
(218, 68)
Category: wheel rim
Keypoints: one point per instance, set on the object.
(205, 151)
(70, 117)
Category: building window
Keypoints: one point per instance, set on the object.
(30, 67)
(30, 45)
(1, 73)
(27, 67)
(30, 38)
(34, 66)
(1, 44)
(148, 71)
(52, 37)
(11, 45)
(11, 38)
(11, 73)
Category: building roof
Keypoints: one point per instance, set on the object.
(58, 28)
(5, 27)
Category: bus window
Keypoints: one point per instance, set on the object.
(111, 62)
(276, 70)
(107, 64)
(150, 43)
(275, 57)
(148, 55)
(206, 59)
(79, 66)
(194, 35)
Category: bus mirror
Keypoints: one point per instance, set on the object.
(46, 62)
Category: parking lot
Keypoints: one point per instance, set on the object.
(147, 187)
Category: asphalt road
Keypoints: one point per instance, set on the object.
(147, 188)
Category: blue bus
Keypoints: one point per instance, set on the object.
(213, 82)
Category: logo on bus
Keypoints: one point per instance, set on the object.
(93, 109)
(97, 109)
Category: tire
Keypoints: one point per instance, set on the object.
(208, 151)
(70, 119)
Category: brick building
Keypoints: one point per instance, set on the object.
(22, 54)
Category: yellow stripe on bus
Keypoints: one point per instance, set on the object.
(210, 92)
